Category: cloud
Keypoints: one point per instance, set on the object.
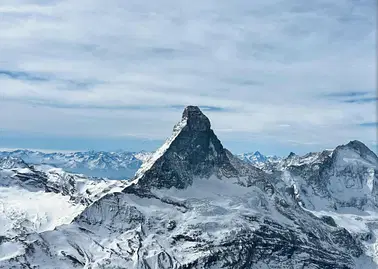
(21, 76)
(90, 68)
(369, 124)
(354, 97)
(347, 94)
(362, 100)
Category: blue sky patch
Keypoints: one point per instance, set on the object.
(369, 124)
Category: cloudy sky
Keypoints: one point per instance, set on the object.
(275, 76)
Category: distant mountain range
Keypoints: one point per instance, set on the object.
(112, 165)
(124, 164)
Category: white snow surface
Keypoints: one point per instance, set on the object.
(27, 210)
(23, 211)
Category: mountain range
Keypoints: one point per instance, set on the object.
(112, 165)
(193, 204)
(102, 164)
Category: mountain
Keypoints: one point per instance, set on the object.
(195, 205)
(345, 177)
(12, 162)
(339, 186)
(259, 160)
(309, 158)
(112, 165)
(40, 198)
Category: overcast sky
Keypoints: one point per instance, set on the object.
(275, 76)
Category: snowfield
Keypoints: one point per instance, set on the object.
(38, 199)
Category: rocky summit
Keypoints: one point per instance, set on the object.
(194, 205)
(192, 151)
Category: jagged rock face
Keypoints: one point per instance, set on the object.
(196, 121)
(346, 178)
(195, 151)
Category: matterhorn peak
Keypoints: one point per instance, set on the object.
(192, 151)
(195, 119)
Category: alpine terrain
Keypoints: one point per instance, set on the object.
(192, 205)
(259, 160)
(113, 165)
(40, 198)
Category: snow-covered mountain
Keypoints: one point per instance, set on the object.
(340, 186)
(12, 162)
(40, 198)
(193, 204)
(113, 165)
(259, 160)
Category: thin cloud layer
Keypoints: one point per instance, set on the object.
(290, 72)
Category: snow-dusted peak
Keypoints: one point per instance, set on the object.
(259, 155)
(359, 146)
(354, 152)
(192, 151)
(254, 157)
(344, 177)
(259, 160)
(312, 158)
(12, 163)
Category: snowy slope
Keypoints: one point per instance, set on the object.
(23, 211)
(195, 205)
(37, 199)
